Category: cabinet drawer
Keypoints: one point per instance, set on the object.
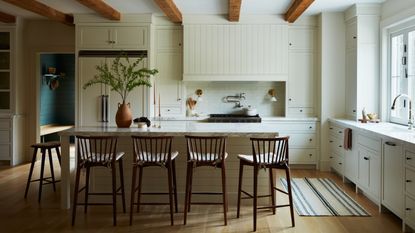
(410, 181)
(286, 127)
(410, 158)
(4, 152)
(410, 211)
(168, 111)
(303, 140)
(4, 136)
(338, 164)
(302, 156)
(5, 124)
(368, 142)
(303, 111)
(336, 131)
(336, 145)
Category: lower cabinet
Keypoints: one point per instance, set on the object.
(409, 184)
(392, 177)
(369, 171)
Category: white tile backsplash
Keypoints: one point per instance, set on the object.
(256, 96)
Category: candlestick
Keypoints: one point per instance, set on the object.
(154, 98)
(159, 106)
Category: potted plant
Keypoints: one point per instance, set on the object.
(122, 76)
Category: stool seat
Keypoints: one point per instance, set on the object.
(46, 145)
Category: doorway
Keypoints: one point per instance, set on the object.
(56, 94)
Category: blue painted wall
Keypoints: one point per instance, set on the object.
(58, 106)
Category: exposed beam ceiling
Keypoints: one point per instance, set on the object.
(296, 9)
(102, 8)
(6, 18)
(42, 9)
(170, 10)
(234, 10)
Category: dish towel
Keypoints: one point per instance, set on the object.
(347, 143)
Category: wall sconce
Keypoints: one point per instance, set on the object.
(272, 95)
(199, 93)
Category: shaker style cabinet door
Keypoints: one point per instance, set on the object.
(94, 37)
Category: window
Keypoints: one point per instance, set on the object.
(402, 73)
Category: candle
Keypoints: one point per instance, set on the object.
(159, 106)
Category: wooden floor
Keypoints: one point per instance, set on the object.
(20, 215)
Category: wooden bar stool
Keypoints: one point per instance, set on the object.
(98, 151)
(150, 152)
(205, 151)
(271, 153)
(47, 146)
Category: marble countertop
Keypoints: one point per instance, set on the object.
(181, 128)
(264, 119)
(383, 129)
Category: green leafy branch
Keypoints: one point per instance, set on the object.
(123, 75)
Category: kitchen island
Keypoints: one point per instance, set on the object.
(240, 131)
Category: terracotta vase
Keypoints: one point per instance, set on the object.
(123, 118)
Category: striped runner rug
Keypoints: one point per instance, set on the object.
(322, 197)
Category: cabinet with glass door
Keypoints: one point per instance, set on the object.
(5, 70)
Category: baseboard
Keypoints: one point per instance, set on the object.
(325, 166)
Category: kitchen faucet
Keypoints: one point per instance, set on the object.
(410, 122)
(235, 99)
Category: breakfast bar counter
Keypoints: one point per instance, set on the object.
(167, 128)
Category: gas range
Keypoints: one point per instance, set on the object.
(236, 118)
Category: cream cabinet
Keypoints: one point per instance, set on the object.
(169, 63)
(89, 105)
(392, 176)
(369, 166)
(5, 139)
(111, 37)
(336, 150)
(301, 95)
(303, 142)
(362, 60)
(409, 184)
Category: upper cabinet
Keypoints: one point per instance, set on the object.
(6, 74)
(362, 59)
(239, 52)
(301, 85)
(112, 37)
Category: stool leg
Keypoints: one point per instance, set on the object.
(42, 168)
(140, 179)
(271, 184)
(114, 194)
(186, 198)
(175, 186)
(190, 187)
(75, 193)
(290, 196)
(170, 181)
(241, 173)
(52, 172)
(58, 154)
(224, 194)
(122, 185)
(32, 165)
(88, 170)
(255, 194)
(133, 187)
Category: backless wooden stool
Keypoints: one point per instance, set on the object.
(46, 146)
(271, 153)
(205, 151)
(150, 152)
(98, 151)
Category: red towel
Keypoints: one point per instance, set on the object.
(347, 143)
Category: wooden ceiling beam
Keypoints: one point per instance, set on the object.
(296, 9)
(102, 8)
(170, 10)
(234, 10)
(6, 18)
(42, 9)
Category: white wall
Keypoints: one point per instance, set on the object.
(332, 82)
(40, 36)
(256, 96)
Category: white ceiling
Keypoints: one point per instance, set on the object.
(191, 6)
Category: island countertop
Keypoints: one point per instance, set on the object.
(181, 128)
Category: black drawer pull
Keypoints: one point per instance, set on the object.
(331, 141)
(408, 158)
(310, 127)
(331, 127)
(366, 158)
(408, 209)
(340, 131)
(340, 163)
(310, 155)
(310, 139)
(340, 146)
(331, 157)
(408, 181)
(390, 143)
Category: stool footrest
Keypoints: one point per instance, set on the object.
(249, 196)
(280, 190)
(272, 207)
(152, 203)
(206, 203)
(206, 193)
(46, 179)
(155, 193)
(94, 204)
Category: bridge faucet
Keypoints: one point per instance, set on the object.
(410, 122)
